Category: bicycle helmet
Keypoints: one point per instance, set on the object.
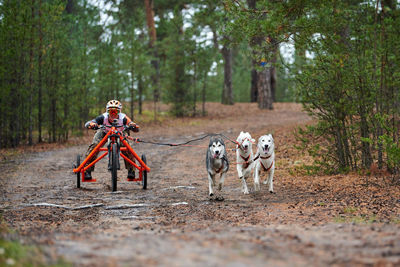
(114, 104)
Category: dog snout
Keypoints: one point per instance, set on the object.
(246, 146)
(266, 147)
(217, 152)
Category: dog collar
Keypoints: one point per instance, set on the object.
(259, 156)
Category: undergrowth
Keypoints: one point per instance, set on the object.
(14, 253)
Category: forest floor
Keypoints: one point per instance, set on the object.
(340, 220)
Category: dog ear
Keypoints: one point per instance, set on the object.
(222, 142)
(211, 142)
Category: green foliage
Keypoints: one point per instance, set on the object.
(340, 86)
(348, 78)
(392, 150)
(241, 73)
(13, 253)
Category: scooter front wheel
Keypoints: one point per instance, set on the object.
(114, 166)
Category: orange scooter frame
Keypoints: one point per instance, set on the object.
(114, 138)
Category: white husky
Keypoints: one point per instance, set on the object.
(244, 158)
(265, 160)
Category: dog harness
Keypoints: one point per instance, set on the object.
(220, 169)
(246, 163)
(259, 156)
(265, 169)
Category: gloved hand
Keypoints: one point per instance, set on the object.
(133, 126)
(93, 125)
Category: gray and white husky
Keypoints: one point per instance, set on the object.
(216, 162)
(265, 161)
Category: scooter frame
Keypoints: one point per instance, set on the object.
(113, 138)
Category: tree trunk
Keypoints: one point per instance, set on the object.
(132, 104)
(203, 112)
(140, 92)
(339, 147)
(67, 78)
(155, 62)
(51, 85)
(66, 103)
(253, 87)
(31, 69)
(40, 52)
(70, 6)
(150, 22)
(180, 95)
(227, 93)
(194, 89)
(265, 80)
(365, 146)
(273, 76)
(20, 87)
(84, 91)
(180, 88)
(264, 89)
(254, 76)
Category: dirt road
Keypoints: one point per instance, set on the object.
(343, 220)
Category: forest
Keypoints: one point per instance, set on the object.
(62, 60)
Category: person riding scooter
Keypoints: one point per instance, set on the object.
(113, 112)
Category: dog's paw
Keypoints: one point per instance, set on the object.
(219, 198)
(246, 192)
(211, 194)
(272, 191)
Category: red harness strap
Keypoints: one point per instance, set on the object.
(259, 156)
(246, 163)
(265, 169)
(245, 159)
(220, 169)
